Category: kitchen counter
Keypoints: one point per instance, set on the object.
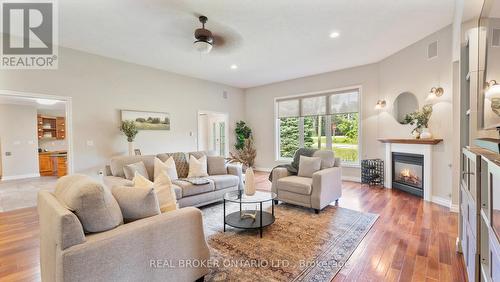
(53, 163)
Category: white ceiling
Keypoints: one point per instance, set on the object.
(270, 40)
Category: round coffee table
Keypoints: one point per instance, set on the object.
(249, 219)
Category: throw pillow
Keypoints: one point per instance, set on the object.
(136, 203)
(131, 169)
(163, 188)
(197, 154)
(308, 166)
(216, 165)
(197, 167)
(168, 167)
(92, 202)
(327, 158)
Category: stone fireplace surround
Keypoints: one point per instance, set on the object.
(411, 146)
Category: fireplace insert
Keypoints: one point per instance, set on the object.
(408, 173)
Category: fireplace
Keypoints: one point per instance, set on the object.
(408, 173)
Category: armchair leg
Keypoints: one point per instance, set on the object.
(316, 211)
(276, 202)
(201, 279)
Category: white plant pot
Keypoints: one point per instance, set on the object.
(425, 134)
(415, 134)
(249, 182)
(130, 148)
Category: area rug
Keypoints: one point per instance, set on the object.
(299, 246)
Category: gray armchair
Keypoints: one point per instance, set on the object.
(317, 192)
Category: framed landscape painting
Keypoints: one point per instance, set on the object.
(148, 120)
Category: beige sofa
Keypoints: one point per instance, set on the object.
(138, 251)
(187, 194)
(317, 192)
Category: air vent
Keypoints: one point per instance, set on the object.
(495, 38)
(432, 50)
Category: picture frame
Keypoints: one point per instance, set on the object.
(147, 120)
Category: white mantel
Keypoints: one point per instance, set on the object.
(411, 146)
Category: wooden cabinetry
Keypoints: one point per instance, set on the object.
(51, 127)
(46, 165)
(61, 166)
(480, 214)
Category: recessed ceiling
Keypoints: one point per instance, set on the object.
(270, 40)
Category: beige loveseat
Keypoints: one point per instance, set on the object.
(317, 192)
(149, 249)
(187, 194)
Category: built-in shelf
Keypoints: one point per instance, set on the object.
(410, 141)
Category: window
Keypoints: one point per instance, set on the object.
(328, 121)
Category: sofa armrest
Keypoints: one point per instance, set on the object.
(112, 181)
(327, 187)
(278, 172)
(150, 249)
(236, 169)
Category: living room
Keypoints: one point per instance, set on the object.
(304, 141)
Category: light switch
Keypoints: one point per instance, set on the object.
(90, 142)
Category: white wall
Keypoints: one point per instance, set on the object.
(408, 70)
(101, 86)
(18, 135)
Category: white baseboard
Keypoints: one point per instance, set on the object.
(351, 178)
(263, 169)
(454, 208)
(20, 176)
(441, 201)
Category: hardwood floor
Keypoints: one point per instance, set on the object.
(411, 241)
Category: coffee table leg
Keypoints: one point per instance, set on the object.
(260, 219)
(224, 215)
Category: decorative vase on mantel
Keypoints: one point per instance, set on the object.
(425, 134)
(131, 148)
(415, 134)
(249, 182)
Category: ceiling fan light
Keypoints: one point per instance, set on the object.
(202, 46)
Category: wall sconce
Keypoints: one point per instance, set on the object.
(380, 104)
(493, 89)
(436, 92)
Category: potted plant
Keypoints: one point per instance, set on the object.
(420, 119)
(129, 129)
(245, 152)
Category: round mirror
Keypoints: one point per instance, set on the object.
(404, 104)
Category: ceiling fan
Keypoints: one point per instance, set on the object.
(204, 39)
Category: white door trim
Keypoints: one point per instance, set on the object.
(69, 116)
(226, 128)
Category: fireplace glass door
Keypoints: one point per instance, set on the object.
(408, 173)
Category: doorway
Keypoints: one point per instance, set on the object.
(35, 145)
(213, 132)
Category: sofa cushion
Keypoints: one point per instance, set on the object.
(167, 166)
(136, 203)
(131, 169)
(92, 202)
(189, 189)
(308, 166)
(327, 158)
(181, 163)
(216, 165)
(224, 181)
(117, 163)
(178, 191)
(296, 184)
(162, 185)
(197, 167)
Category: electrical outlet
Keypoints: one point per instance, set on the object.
(100, 172)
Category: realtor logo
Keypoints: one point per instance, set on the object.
(29, 35)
